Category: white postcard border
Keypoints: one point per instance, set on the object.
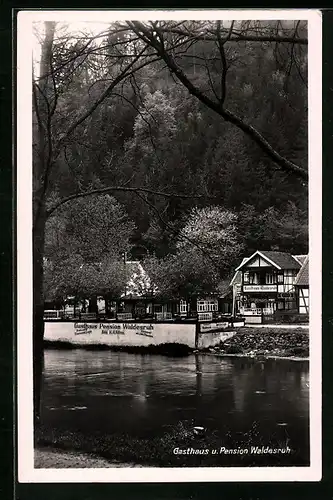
(26, 471)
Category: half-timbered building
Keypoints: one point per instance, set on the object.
(302, 288)
(265, 283)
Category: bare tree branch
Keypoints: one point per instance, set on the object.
(223, 58)
(226, 114)
(211, 83)
(174, 231)
(120, 188)
(237, 37)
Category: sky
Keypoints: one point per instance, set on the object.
(95, 22)
(89, 27)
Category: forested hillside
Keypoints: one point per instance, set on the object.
(150, 132)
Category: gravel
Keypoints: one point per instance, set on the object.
(58, 459)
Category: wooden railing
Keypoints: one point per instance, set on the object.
(53, 314)
(256, 311)
(163, 315)
(250, 311)
(87, 316)
(124, 316)
(205, 316)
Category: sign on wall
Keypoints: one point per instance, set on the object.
(208, 327)
(114, 328)
(131, 334)
(259, 288)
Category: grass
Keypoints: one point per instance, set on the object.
(158, 451)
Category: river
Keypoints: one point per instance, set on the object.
(145, 395)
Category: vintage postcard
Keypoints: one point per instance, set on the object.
(169, 245)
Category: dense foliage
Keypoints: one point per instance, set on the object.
(85, 242)
(228, 198)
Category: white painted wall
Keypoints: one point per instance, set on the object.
(213, 338)
(122, 334)
(303, 296)
(253, 320)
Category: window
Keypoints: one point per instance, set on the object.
(212, 305)
(290, 304)
(201, 306)
(254, 278)
(269, 280)
(289, 277)
(207, 305)
(183, 306)
(246, 277)
(280, 278)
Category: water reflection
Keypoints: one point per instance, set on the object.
(144, 394)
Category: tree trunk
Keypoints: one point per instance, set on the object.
(92, 308)
(41, 167)
(193, 305)
(107, 306)
(38, 312)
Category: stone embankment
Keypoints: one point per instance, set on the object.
(266, 342)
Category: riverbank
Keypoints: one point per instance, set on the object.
(167, 348)
(266, 342)
(180, 446)
(52, 458)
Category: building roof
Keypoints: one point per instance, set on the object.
(300, 258)
(224, 289)
(302, 278)
(237, 277)
(280, 260)
(133, 267)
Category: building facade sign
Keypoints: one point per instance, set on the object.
(288, 295)
(259, 288)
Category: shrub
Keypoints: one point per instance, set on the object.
(298, 351)
(233, 349)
